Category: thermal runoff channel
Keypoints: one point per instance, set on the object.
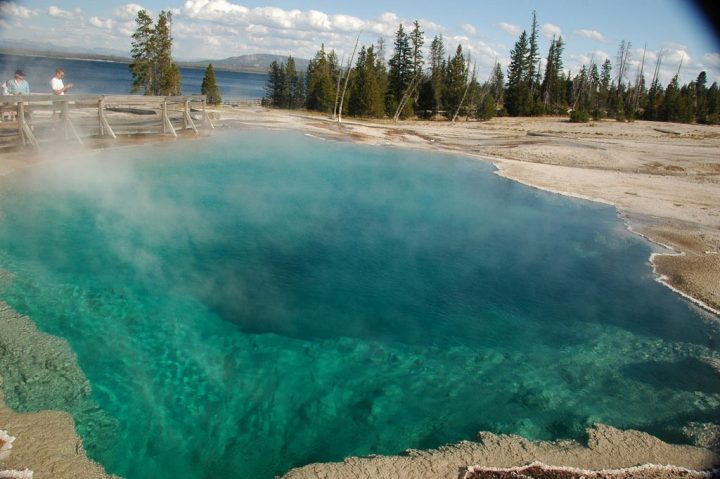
(244, 304)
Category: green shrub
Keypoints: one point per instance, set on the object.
(579, 116)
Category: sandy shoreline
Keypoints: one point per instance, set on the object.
(664, 180)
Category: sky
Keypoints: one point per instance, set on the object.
(214, 29)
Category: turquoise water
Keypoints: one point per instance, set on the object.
(242, 305)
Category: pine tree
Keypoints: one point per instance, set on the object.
(167, 72)
(497, 84)
(299, 93)
(400, 73)
(580, 99)
(437, 73)
(604, 89)
(713, 104)
(486, 109)
(594, 90)
(670, 110)
(455, 82)
(320, 81)
(517, 98)
(209, 87)
(701, 106)
(533, 57)
(292, 85)
(381, 75)
(426, 98)
(275, 84)
(417, 40)
(554, 86)
(366, 99)
(142, 53)
(152, 67)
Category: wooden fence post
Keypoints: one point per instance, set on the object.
(104, 125)
(167, 125)
(206, 118)
(26, 134)
(188, 119)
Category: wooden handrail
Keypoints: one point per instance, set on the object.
(180, 103)
(33, 98)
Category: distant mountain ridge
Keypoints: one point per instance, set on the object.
(51, 49)
(257, 63)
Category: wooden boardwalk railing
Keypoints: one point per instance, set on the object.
(52, 113)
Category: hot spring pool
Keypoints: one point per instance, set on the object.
(249, 303)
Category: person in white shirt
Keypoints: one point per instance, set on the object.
(57, 82)
(58, 88)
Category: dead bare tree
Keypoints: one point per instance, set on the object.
(638, 79)
(347, 77)
(622, 61)
(337, 90)
(658, 62)
(680, 65)
(407, 95)
(578, 92)
(467, 86)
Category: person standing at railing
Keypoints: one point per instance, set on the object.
(19, 86)
(59, 88)
(56, 83)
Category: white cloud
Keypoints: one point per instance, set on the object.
(549, 31)
(101, 22)
(128, 11)
(674, 46)
(389, 17)
(673, 56)
(600, 56)
(712, 59)
(213, 9)
(257, 29)
(56, 12)
(127, 28)
(510, 28)
(468, 29)
(591, 34)
(298, 31)
(224, 12)
(12, 9)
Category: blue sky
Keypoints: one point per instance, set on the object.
(213, 29)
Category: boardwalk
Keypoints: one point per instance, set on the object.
(32, 120)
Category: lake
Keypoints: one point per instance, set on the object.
(101, 77)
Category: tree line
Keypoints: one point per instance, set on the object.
(410, 85)
(152, 66)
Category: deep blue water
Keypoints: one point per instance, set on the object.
(248, 303)
(96, 77)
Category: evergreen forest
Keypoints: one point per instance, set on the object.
(444, 84)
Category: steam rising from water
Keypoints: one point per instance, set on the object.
(281, 300)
